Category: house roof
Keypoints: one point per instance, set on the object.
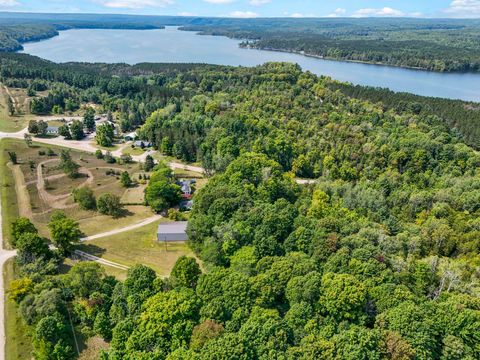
(52, 128)
(176, 227)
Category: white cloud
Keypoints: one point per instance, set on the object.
(243, 14)
(300, 15)
(8, 3)
(464, 8)
(338, 12)
(386, 11)
(220, 2)
(135, 4)
(186, 13)
(259, 2)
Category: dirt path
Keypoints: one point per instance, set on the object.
(56, 201)
(91, 257)
(126, 228)
(14, 100)
(23, 198)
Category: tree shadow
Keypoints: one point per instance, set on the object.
(123, 213)
(91, 249)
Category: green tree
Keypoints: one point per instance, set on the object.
(65, 233)
(22, 226)
(105, 135)
(102, 326)
(76, 130)
(125, 179)
(166, 323)
(31, 247)
(64, 131)
(42, 127)
(149, 163)
(185, 272)
(10, 106)
(343, 297)
(33, 127)
(68, 166)
(109, 204)
(84, 278)
(89, 119)
(85, 198)
(13, 157)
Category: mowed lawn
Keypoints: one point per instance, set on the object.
(138, 246)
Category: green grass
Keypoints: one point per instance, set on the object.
(7, 189)
(138, 246)
(16, 122)
(18, 345)
(90, 222)
(132, 151)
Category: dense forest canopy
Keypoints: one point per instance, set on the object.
(377, 260)
(431, 44)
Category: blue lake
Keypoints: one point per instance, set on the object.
(172, 45)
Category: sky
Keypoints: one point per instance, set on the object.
(257, 8)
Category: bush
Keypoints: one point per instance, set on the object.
(84, 198)
(109, 204)
(174, 214)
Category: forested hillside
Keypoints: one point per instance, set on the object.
(378, 260)
(431, 44)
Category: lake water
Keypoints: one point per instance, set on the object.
(172, 45)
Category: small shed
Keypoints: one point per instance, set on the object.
(172, 231)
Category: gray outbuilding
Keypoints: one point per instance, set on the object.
(172, 231)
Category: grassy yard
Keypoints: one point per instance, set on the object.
(138, 246)
(132, 151)
(18, 345)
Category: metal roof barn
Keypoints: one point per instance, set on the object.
(172, 231)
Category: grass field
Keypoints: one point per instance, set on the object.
(7, 190)
(18, 121)
(132, 151)
(138, 246)
(99, 175)
(18, 345)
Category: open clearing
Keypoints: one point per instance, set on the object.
(21, 102)
(42, 188)
(138, 246)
